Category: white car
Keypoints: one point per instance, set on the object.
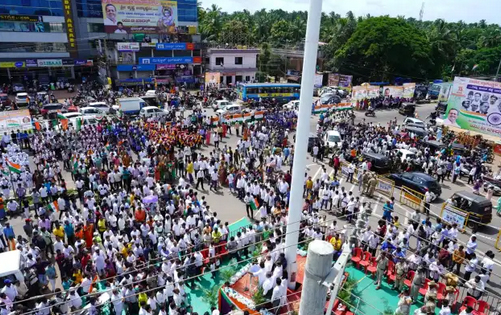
(152, 112)
(92, 112)
(229, 109)
(151, 93)
(406, 154)
(220, 104)
(292, 105)
(105, 108)
(414, 122)
(333, 139)
(22, 98)
(73, 115)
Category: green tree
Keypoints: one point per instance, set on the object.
(384, 47)
(281, 32)
(235, 32)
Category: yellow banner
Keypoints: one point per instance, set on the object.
(12, 64)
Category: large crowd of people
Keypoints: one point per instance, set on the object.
(137, 232)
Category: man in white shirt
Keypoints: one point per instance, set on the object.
(475, 287)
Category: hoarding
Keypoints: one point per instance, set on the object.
(409, 89)
(358, 93)
(15, 119)
(445, 90)
(140, 16)
(128, 47)
(318, 80)
(212, 79)
(345, 80)
(475, 105)
(394, 91)
(333, 79)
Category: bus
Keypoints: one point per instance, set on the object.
(283, 92)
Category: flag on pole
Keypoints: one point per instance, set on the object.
(37, 126)
(64, 124)
(79, 124)
(13, 167)
(60, 116)
(474, 67)
(3, 170)
(254, 204)
(53, 206)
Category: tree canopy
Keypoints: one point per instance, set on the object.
(369, 48)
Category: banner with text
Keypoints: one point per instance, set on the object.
(15, 119)
(475, 105)
(212, 79)
(140, 16)
(394, 91)
(445, 91)
(409, 89)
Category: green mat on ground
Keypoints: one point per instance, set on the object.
(196, 293)
(372, 301)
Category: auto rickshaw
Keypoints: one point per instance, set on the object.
(407, 109)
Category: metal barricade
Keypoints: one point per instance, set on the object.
(497, 245)
(411, 198)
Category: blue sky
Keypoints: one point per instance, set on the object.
(449, 10)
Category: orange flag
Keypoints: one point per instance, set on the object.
(64, 124)
(37, 126)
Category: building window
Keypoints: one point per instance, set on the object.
(247, 78)
(219, 61)
(239, 60)
(57, 27)
(95, 27)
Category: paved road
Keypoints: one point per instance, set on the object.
(230, 209)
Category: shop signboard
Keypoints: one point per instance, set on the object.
(50, 62)
(31, 63)
(475, 105)
(12, 64)
(139, 16)
(85, 63)
(165, 60)
(167, 67)
(70, 28)
(21, 18)
(128, 47)
(175, 46)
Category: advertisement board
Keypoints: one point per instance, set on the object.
(50, 62)
(475, 105)
(175, 46)
(318, 80)
(212, 79)
(445, 90)
(409, 89)
(15, 119)
(140, 16)
(21, 18)
(333, 79)
(85, 63)
(165, 60)
(372, 91)
(358, 93)
(345, 80)
(12, 64)
(394, 91)
(70, 28)
(129, 47)
(453, 215)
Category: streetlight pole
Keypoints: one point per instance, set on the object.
(302, 132)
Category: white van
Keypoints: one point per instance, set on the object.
(10, 268)
(333, 139)
(131, 105)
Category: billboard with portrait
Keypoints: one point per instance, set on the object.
(140, 16)
(409, 89)
(212, 79)
(391, 90)
(345, 80)
(358, 93)
(445, 90)
(333, 79)
(475, 105)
